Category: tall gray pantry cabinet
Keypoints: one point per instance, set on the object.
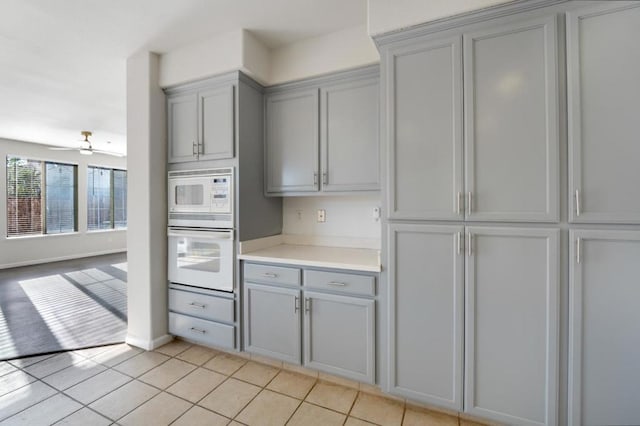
(474, 199)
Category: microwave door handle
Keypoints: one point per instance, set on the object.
(201, 234)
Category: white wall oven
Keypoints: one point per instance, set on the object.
(201, 250)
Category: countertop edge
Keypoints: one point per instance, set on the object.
(313, 263)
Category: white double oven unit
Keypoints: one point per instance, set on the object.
(201, 229)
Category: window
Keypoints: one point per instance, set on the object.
(106, 198)
(28, 190)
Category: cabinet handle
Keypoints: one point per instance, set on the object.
(193, 149)
(459, 204)
(315, 178)
(296, 305)
(469, 244)
(459, 242)
(270, 275)
(469, 200)
(336, 283)
(325, 178)
(197, 305)
(577, 202)
(307, 305)
(578, 243)
(198, 330)
(200, 148)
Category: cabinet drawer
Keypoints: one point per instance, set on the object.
(206, 332)
(202, 306)
(271, 274)
(345, 283)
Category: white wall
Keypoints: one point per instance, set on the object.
(336, 51)
(384, 15)
(20, 251)
(349, 219)
(147, 200)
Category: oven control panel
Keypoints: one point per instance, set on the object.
(221, 194)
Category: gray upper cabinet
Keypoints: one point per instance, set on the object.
(182, 114)
(425, 313)
(603, 328)
(603, 66)
(201, 123)
(339, 335)
(424, 107)
(349, 136)
(511, 122)
(272, 321)
(216, 129)
(511, 324)
(322, 135)
(292, 141)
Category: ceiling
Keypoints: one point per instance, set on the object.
(63, 62)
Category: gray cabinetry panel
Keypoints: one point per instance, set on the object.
(182, 127)
(511, 331)
(292, 141)
(203, 331)
(339, 335)
(426, 272)
(200, 305)
(349, 135)
(511, 124)
(603, 66)
(604, 320)
(272, 322)
(216, 128)
(360, 285)
(424, 130)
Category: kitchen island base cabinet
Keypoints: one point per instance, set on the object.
(272, 322)
(330, 328)
(604, 324)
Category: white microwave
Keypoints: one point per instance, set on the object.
(201, 198)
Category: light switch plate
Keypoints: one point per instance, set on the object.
(322, 216)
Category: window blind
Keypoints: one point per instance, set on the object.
(24, 196)
(99, 210)
(120, 198)
(60, 200)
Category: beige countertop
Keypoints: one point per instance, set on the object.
(358, 259)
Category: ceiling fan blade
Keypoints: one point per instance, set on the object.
(63, 149)
(115, 154)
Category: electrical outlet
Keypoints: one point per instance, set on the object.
(376, 214)
(322, 216)
(299, 214)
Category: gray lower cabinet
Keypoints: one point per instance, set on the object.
(511, 324)
(330, 327)
(339, 335)
(201, 122)
(425, 313)
(604, 341)
(272, 321)
(507, 319)
(322, 134)
(603, 109)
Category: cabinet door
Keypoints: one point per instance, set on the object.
(292, 142)
(350, 136)
(604, 320)
(425, 313)
(423, 91)
(182, 127)
(272, 322)
(216, 127)
(339, 335)
(511, 123)
(511, 325)
(603, 66)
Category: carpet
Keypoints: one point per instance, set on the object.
(63, 306)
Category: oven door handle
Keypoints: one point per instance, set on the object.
(214, 235)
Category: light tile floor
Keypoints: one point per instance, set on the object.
(184, 384)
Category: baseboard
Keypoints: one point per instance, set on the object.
(61, 258)
(148, 345)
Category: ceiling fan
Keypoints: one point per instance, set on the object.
(86, 148)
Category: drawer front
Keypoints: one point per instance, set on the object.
(271, 274)
(338, 282)
(202, 306)
(202, 331)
